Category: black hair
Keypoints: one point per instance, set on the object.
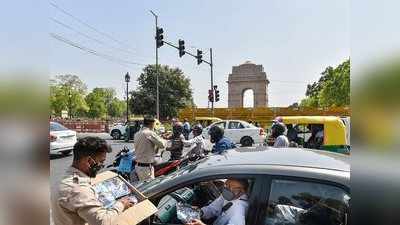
(148, 120)
(243, 182)
(90, 146)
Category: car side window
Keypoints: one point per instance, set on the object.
(206, 197)
(299, 202)
(235, 125)
(221, 124)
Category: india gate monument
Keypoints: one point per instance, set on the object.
(244, 77)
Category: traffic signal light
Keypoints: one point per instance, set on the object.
(210, 95)
(199, 57)
(216, 93)
(159, 37)
(181, 47)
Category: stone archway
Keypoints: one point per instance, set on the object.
(245, 94)
(244, 77)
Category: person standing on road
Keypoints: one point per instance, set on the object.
(186, 129)
(75, 201)
(278, 129)
(147, 143)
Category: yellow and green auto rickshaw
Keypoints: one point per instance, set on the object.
(331, 130)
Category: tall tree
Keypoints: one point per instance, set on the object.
(332, 89)
(67, 93)
(175, 92)
(117, 108)
(100, 102)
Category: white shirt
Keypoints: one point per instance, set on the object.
(235, 215)
(196, 144)
(281, 142)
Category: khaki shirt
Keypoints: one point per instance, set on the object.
(75, 202)
(147, 143)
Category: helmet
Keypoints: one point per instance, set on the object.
(177, 129)
(216, 133)
(197, 130)
(278, 129)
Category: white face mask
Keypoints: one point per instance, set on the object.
(227, 194)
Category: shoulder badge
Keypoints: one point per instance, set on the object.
(75, 179)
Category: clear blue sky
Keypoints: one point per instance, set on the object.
(293, 40)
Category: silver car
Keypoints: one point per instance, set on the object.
(285, 186)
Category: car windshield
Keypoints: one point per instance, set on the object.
(57, 127)
(143, 185)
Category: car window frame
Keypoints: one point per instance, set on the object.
(256, 199)
(220, 122)
(57, 124)
(263, 213)
(236, 128)
(247, 125)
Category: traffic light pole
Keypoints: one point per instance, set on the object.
(212, 82)
(212, 71)
(157, 73)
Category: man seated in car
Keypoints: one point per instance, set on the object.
(230, 208)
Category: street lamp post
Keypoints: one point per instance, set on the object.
(127, 79)
(70, 104)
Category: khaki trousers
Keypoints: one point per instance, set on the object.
(145, 172)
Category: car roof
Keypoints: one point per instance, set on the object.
(295, 157)
(261, 160)
(310, 119)
(207, 118)
(241, 121)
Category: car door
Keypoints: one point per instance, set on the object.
(234, 131)
(255, 200)
(229, 131)
(302, 201)
(220, 124)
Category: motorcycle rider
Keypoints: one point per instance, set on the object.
(222, 143)
(197, 141)
(278, 129)
(176, 139)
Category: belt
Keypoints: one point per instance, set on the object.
(144, 164)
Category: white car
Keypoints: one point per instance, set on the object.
(240, 132)
(62, 139)
(118, 130)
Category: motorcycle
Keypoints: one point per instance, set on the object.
(124, 165)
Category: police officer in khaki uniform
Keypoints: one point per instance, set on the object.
(75, 202)
(147, 143)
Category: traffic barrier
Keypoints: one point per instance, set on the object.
(85, 126)
(262, 115)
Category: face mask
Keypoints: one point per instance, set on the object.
(94, 169)
(227, 194)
